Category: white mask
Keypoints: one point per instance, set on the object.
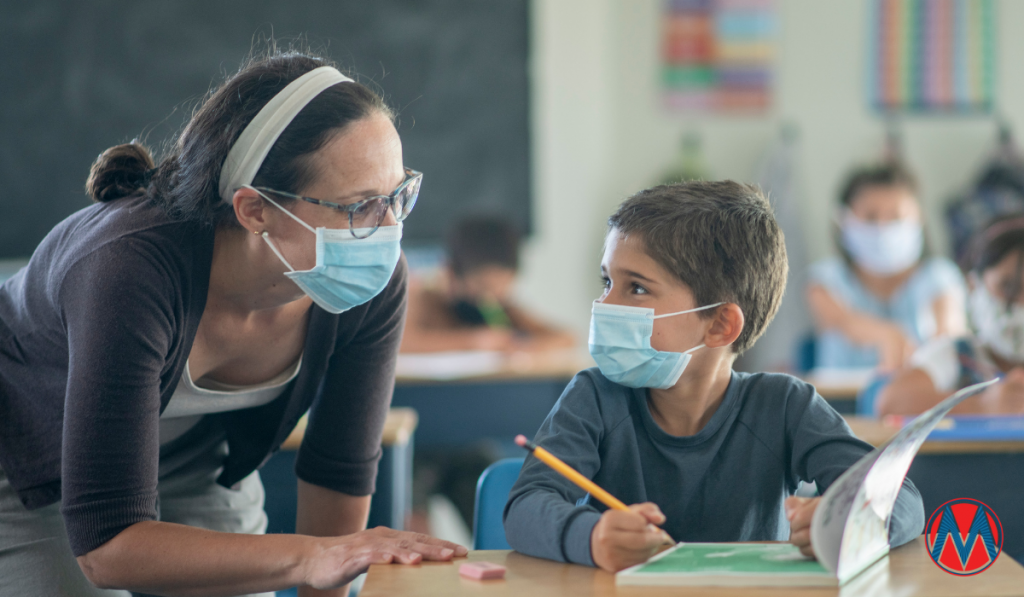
(883, 248)
(999, 329)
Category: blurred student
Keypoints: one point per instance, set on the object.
(472, 306)
(882, 297)
(996, 348)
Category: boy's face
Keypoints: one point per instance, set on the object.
(631, 277)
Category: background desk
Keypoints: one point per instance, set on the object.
(392, 502)
(495, 406)
(909, 571)
(990, 471)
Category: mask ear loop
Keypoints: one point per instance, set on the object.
(266, 239)
(290, 214)
(699, 346)
(266, 236)
(688, 311)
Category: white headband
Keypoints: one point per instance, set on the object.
(253, 145)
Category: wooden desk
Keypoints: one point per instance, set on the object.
(398, 429)
(517, 366)
(876, 433)
(494, 406)
(907, 571)
(392, 501)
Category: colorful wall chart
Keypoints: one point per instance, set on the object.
(933, 56)
(717, 55)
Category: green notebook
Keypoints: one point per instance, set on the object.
(729, 564)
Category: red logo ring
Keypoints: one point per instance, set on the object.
(964, 536)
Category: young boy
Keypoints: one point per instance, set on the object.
(693, 274)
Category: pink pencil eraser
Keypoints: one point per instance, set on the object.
(482, 570)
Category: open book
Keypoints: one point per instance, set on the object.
(849, 530)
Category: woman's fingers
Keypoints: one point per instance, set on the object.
(431, 548)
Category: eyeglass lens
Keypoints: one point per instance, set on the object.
(371, 214)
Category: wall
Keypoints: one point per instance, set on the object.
(600, 133)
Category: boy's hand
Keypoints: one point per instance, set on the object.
(623, 539)
(799, 511)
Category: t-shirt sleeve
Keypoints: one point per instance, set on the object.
(543, 516)
(828, 273)
(118, 312)
(943, 277)
(939, 360)
(823, 447)
(342, 444)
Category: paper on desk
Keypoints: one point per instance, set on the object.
(449, 365)
(850, 527)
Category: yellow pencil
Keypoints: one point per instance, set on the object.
(573, 475)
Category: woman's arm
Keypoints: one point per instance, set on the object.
(173, 559)
(325, 513)
(830, 314)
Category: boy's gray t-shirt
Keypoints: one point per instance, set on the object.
(726, 483)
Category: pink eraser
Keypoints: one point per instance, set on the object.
(482, 570)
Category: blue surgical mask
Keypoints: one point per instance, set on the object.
(620, 342)
(883, 248)
(349, 271)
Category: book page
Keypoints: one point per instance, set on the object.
(725, 564)
(850, 528)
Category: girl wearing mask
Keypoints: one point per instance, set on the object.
(996, 348)
(881, 298)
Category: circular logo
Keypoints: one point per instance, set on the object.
(964, 536)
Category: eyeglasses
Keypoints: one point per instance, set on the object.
(366, 215)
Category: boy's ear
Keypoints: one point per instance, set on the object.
(726, 326)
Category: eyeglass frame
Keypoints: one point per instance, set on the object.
(389, 200)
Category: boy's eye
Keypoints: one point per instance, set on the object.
(638, 289)
(606, 282)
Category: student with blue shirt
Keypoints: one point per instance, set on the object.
(694, 272)
(882, 297)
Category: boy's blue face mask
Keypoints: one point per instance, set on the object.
(620, 342)
(349, 271)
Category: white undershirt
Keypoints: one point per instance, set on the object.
(190, 402)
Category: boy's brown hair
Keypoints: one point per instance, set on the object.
(720, 239)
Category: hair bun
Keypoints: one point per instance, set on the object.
(119, 172)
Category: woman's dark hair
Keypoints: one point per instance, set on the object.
(478, 241)
(887, 174)
(186, 183)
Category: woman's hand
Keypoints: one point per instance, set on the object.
(799, 511)
(340, 559)
(623, 539)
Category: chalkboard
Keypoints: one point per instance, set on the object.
(80, 76)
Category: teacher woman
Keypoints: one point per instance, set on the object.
(162, 343)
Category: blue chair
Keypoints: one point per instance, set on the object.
(491, 494)
(868, 395)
